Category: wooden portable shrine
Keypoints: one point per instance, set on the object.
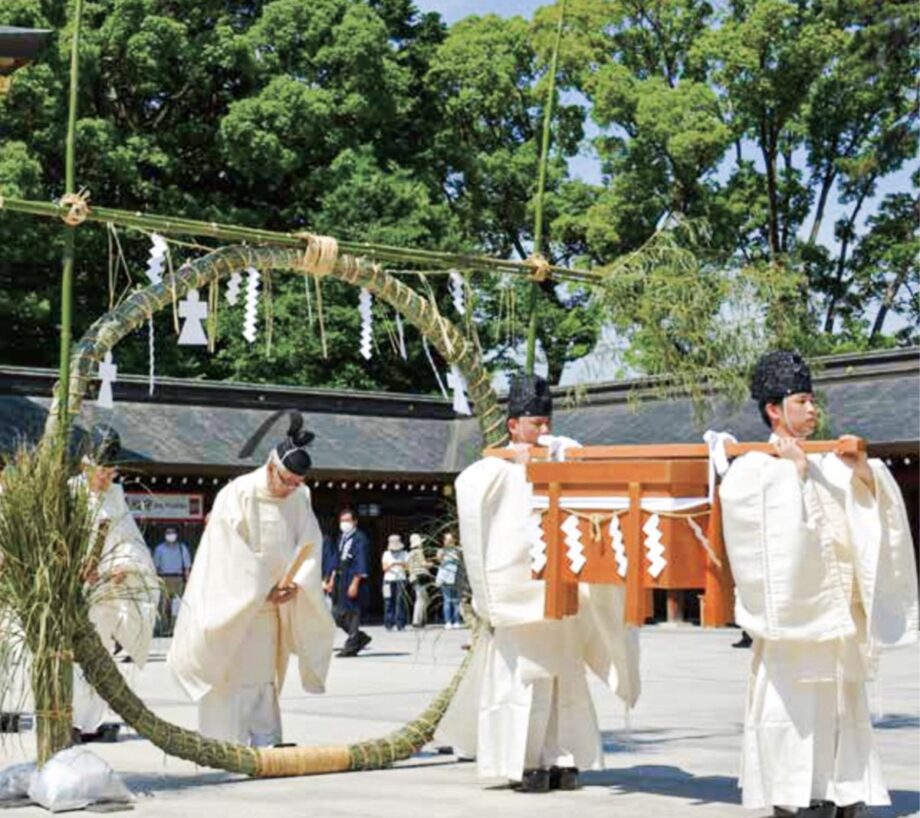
(635, 515)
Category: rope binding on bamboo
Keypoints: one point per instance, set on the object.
(78, 204)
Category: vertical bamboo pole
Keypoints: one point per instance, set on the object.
(541, 188)
(69, 187)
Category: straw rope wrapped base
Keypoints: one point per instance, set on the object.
(318, 258)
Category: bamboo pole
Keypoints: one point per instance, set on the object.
(376, 252)
(541, 191)
(69, 188)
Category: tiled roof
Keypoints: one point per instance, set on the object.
(194, 423)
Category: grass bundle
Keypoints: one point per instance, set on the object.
(47, 531)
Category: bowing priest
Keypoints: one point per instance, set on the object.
(524, 709)
(821, 554)
(121, 582)
(254, 598)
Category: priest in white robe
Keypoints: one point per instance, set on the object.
(820, 549)
(121, 581)
(241, 620)
(524, 709)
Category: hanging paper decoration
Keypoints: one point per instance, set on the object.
(157, 258)
(575, 550)
(619, 545)
(537, 543)
(437, 375)
(150, 352)
(233, 288)
(457, 291)
(366, 307)
(108, 374)
(194, 312)
(654, 547)
(401, 337)
(457, 383)
(251, 317)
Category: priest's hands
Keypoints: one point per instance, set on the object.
(788, 448)
(283, 594)
(859, 462)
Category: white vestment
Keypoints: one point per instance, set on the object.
(825, 577)
(231, 647)
(525, 701)
(125, 612)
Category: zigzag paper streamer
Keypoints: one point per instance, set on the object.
(251, 317)
(654, 547)
(457, 383)
(457, 292)
(401, 337)
(366, 307)
(157, 258)
(233, 287)
(619, 545)
(150, 355)
(537, 543)
(575, 551)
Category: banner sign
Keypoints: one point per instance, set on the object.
(154, 506)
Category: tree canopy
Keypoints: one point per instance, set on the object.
(747, 124)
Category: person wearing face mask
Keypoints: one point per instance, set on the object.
(524, 709)
(173, 563)
(346, 581)
(821, 554)
(239, 622)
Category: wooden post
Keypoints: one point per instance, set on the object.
(719, 598)
(555, 603)
(635, 598)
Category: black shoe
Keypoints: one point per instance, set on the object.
(857, 810)
(535, 780)
(818, 809)
(363, 641)
(564, 778)
(744, 642)
(10, 723)
(345, 653)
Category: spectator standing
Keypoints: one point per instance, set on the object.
(448, 580)
(394, 563)
(173, 563)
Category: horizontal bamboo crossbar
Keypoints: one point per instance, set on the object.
(377, 252)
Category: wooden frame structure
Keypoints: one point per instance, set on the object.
(598, 485)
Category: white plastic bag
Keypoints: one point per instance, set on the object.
(14, 781)
(75, 778)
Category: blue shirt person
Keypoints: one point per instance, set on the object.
(346, 580)
(173, 563)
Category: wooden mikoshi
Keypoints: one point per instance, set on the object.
(638, 516)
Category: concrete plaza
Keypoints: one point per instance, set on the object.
(675, 755)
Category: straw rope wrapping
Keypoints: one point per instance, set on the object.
(89, 651)
(451, 344)
(79, 207)
(701, 538)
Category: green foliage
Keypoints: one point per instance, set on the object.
(369, 120)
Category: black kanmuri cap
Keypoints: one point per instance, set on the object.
(529, 396)
(292, 451)
(778, 375)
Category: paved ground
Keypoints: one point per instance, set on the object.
(675, 755)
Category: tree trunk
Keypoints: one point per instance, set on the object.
(768, 148)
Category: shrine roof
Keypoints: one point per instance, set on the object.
(195, 423)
